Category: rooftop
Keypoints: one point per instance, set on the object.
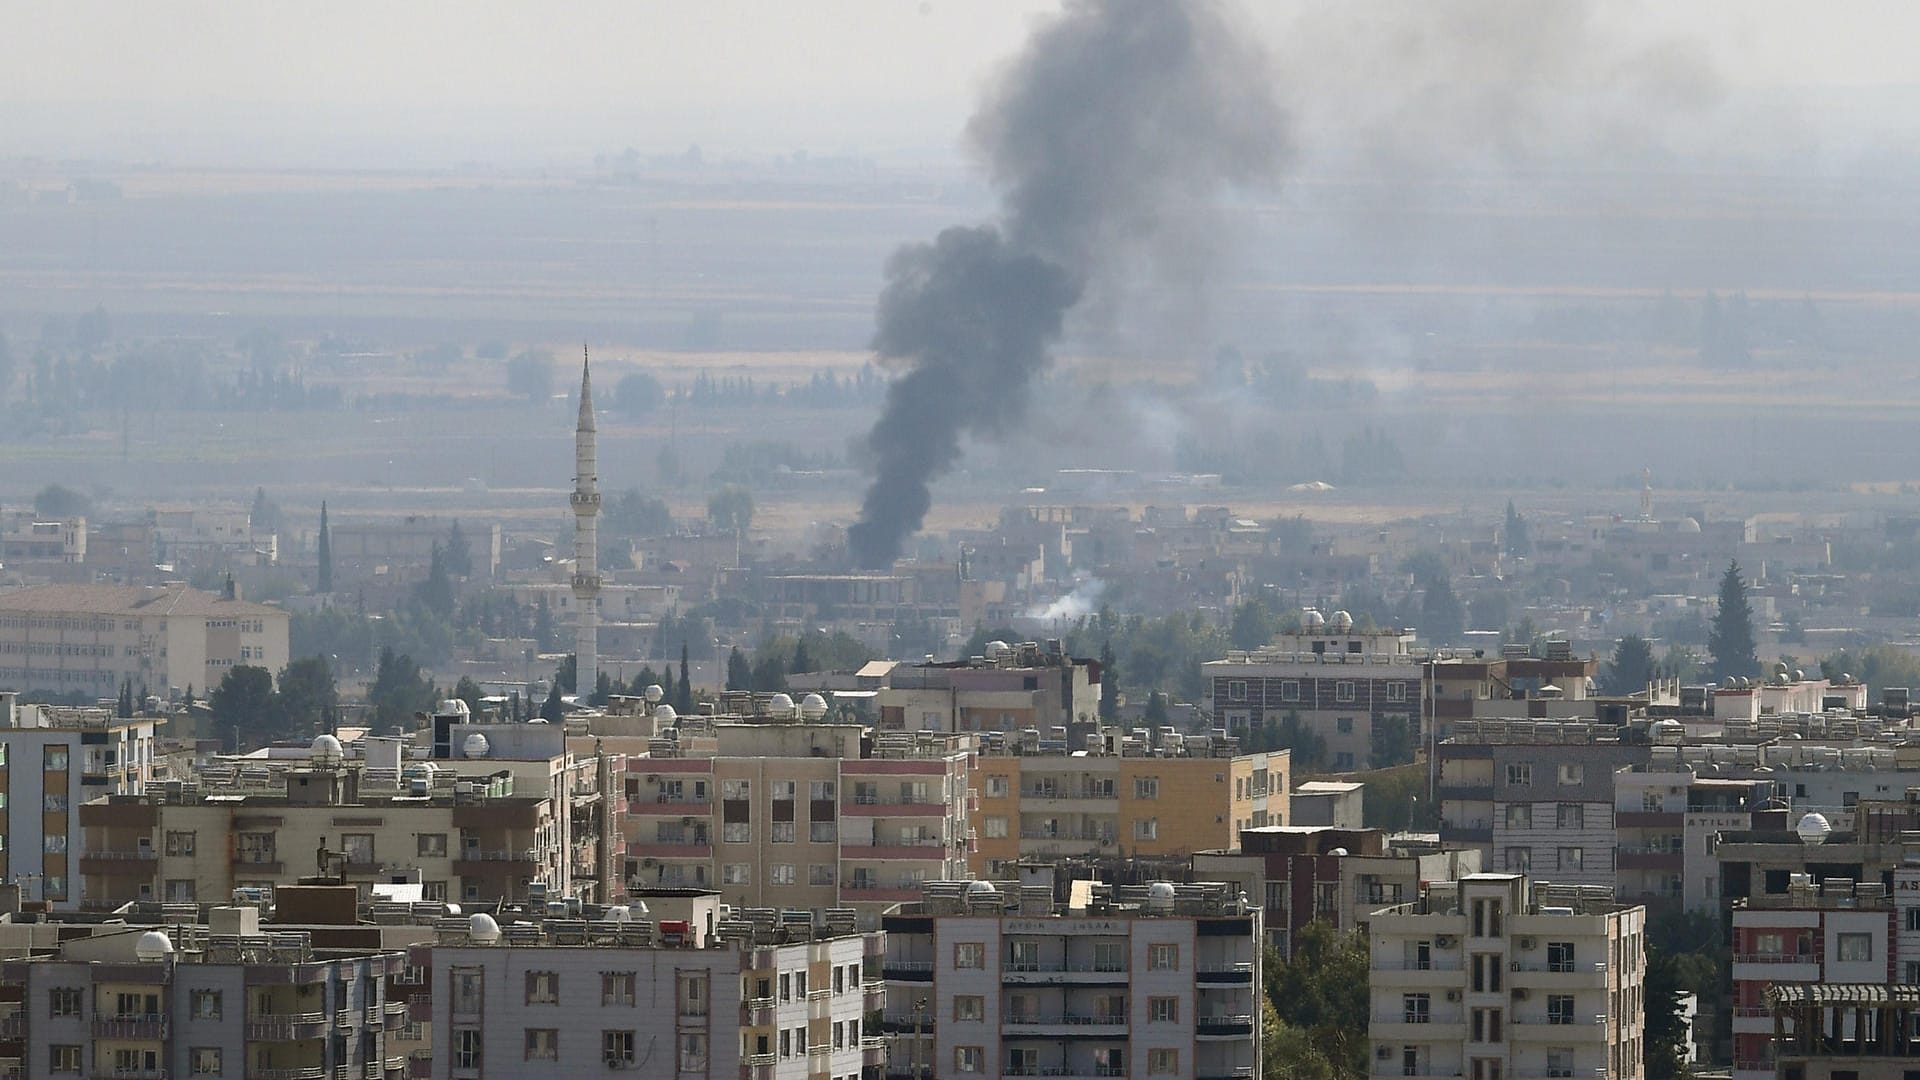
(1013, 899)
(174, 599)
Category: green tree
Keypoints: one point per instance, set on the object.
(1321, 990)
(1289, 1053)
(566, 676)
(684, 703)
(124, 707)
(1309, 747)
(1731, 642)
(459, 552)
(1392, 743)
(1109, 685)
(1156, 709)
(1665, 1027)
(1519, 543)
(769, 674)
(802, 662)
(469, 691)
(265, 515)
(1442, 617)
(602, 689)
(436, 592)
(324, 583)
(1255, 623)
(243, 703)
(57, 502)
(668, 694)
(1631, 668)
(554, 710)
(739, 671)
(730, 510)
(399, 690)
(308, 697)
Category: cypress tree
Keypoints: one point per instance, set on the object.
(685, 703)
(325, 553)
(1731, 640)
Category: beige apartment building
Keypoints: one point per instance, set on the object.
(1125, 795)
(93, 638)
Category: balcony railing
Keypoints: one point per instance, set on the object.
(1050, 966)
(149, 1026)
(299, 1072)
(1069, 1020)
(142, 855)
(1772, 958)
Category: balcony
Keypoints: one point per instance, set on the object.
(907, 1023)
(1224, 974)
(1562, 1027)
(13, 1026)
(474, 861)
(1066, 1025)
(1649, 859)
(907, 970)
(661, 806)
(258, 863)
(929, 849)
(892, 806)
(298, 1072)
(1400, 1026)
(869, 892)
(1059, 1072)
(1563, 976)
(104, 1072)
(1228, 1027)
(1058, 972)
(149, 1026)
(671, 849)
(139, 862)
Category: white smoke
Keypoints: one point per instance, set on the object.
(1083, 601)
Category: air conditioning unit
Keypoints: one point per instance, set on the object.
(1443, 941)
(653, 778)
(649, 862)
(1527, 943)
(1453, 995)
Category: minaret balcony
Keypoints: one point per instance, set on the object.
(584, 583)
(583, 499)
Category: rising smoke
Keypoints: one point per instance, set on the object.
(1110, 139)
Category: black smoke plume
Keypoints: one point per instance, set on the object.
(1110, 140)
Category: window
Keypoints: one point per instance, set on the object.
(1416, 1008)
(820, 874)
(820, 790)
(1236, 690)
(466, 1048)
(786, 1043)
(1560, 1061)
(56, 759)
(995, 828)
(1560, 956)
(1146, 787)
(1910, 970)
(543, 988)
(64, 1001)
(1520, 775)
(54, 804)
(206, 1060)
(358, 848)
(736, 789)
(1290, 690)
(1913, 918)
(1343, 762)
(737, 832)
(616, 1047)
(179, 843)
(786, 987)
(736, 873)
(466, 992)
(1519, 860)
(996, 787)
(967, 1059)
(206, 1004)
(1163, 1010)
(780, 874)
(1343, 725)
(1163, 957)
(254, 848)
(1559, 1008)
(693, 1051)
(969, 1007)
(1856, 947)
(970, 954)
(1569, 816)
(1486, 1025)
(1146, 829)
(616, 988)
(431, 845)
(782, 791)
(1572, 858)
(54, 843)
(1519, 815)
(1572, 773)
(823, 832)
(1343, 690)
(1163, 1062)
(781, 832)
(63, 1059)
(1396, 691)
(543, 1044)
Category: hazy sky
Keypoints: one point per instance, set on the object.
(517, 82)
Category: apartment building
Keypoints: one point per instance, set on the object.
(229, 998)
(1495, 976)
(52, 760)
(1535, 797)
(772, 995)
(27, 543)
(785, 813)
(1862, 843)
(1011, 688)
(93, 638)
(1305, 874)
(360, 547)
(462, 840)
(1877, 1026)
(1139, 793)
(1667, 822)
(1145, 981)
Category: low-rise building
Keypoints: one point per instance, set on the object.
(93, 638)
(1495, 976)
(1013, 688)
(1148, 981)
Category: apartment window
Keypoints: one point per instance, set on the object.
(782, 791)
(1569, 816)
(1487, 918)
(543, 1044)
(64, 1001)
(1520, 775)
(206, 1060)
(820, 874)
(1911, 972)
(1163, 1010)
(205, 1004)
(616, 988)
(996, 787)
(1519, 860)
(1560, 1061)
(431, 845)
(781, 832)
(254, 848)
(1163, 957)
(54, 804)
(1572, 858)
(63, 1059)
(995, 828)
(466, 1048)
(1290, 690)
(616, 1048)
(1519, 816)
(969, 1007)
(1560, 956)
(1343, 691)
(820, 790)
(543, 988)
(1856, 947)
(1652, 802)
(1559, 1008)
(1486, 1025)
(1146, 829)
(1416, 1008)
(1572, 773)
(736, 873)
(54, 843)
(823, 832)
(1486, 973)
(1146, 787)
(736, 789)
(56, 759)
(1163, 1062)
(780, 874)
(693, 1051)
(1236, 690)
(968, 1059)
(358, 848)
(179, 843)
(1343, 762)
(786, 1043)
(1913, 918)
(737, 832)
(969, 954)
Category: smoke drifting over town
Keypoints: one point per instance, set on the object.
(1110, 141)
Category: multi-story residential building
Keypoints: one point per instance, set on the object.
(1012, 688)
(463, 840)
(1493, 976)
(1535, 797)
(26, 542)
(1301, 874)
(93, 638)
(771, 996)
(1863, 844)
(805, 815)
(1145, 981)
(1667, 821)
(1879, 1026)
(52, 760)
(225, 999)
(1125, 794)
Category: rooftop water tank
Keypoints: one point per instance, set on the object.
(1814, 829)
(153, 946)
(475, 746)
(482, 929)
(813, 707)
(328, 751)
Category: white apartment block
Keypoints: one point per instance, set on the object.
(52, 760)
(990, 979)
(779, 996)
(93, 638)
(1492, 977)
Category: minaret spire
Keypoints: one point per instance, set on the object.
(585, 501)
